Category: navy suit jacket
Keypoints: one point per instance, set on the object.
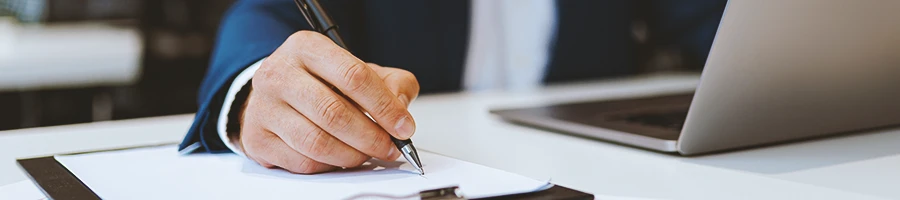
(593, 39)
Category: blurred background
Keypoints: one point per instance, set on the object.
(77, 61)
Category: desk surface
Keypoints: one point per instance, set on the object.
(859, 166)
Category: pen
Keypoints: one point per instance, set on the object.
(321, 22)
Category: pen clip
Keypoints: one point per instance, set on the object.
(310, 18)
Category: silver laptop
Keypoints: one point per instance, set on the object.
(778, 71)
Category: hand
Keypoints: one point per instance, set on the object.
(292, 119)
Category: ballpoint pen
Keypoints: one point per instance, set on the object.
(321, 22)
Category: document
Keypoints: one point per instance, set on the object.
(22, 190)
(163, 173)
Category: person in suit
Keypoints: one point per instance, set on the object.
(267, 92)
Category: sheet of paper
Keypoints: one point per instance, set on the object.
(611, 197)
(162, 173)
(22, 190)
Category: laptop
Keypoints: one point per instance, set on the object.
(778, 71)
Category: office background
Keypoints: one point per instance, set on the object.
(76, 61)
(173, 42)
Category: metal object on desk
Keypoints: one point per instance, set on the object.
(446, 193)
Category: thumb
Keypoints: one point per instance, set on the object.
(402, 83)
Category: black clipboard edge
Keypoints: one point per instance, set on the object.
(555, 193)
(57, 182)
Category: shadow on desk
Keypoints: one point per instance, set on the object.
(372, 171)
(799, 156)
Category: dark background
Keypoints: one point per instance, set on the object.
(177, 38)
(168, 82)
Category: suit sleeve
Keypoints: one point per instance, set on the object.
(250, 31)
(235, 96)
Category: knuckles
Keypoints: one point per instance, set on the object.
(332, 112)
(380, 145)
(252, 143)
(266, 77)
(305, 37)
(356, 77)
(314, 143)
(409, 80)
(384, 107)
(306, 166)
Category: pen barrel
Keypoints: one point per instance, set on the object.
(332, 32)
(400, 143)
(325, 24)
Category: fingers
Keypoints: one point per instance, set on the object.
(303, 136)
(268, 150)
(401, 82)
(333, 114)
(353, 78)
(296, 121)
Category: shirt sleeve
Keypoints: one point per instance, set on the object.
(242, 79)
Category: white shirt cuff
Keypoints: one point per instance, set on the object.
(242, 79)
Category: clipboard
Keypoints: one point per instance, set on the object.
(57, 182)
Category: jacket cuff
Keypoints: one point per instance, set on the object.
(222, 124)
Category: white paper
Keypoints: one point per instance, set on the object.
(162, 173)
(611, 197)
(22, 190)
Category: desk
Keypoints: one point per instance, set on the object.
(861, 166)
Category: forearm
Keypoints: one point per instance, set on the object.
(250, 31)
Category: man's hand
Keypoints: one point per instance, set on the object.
(294, 120)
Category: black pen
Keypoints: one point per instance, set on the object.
(321, 22)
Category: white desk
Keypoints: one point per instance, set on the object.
(865, 166)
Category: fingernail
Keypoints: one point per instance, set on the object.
(403, 99)
(393, 153)
(405, 128)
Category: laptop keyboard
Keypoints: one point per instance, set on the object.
(673, 120)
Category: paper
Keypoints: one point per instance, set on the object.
(162, 173)
(22, 190)
(611, 197)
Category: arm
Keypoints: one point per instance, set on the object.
(303, 110)
(249, 31)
